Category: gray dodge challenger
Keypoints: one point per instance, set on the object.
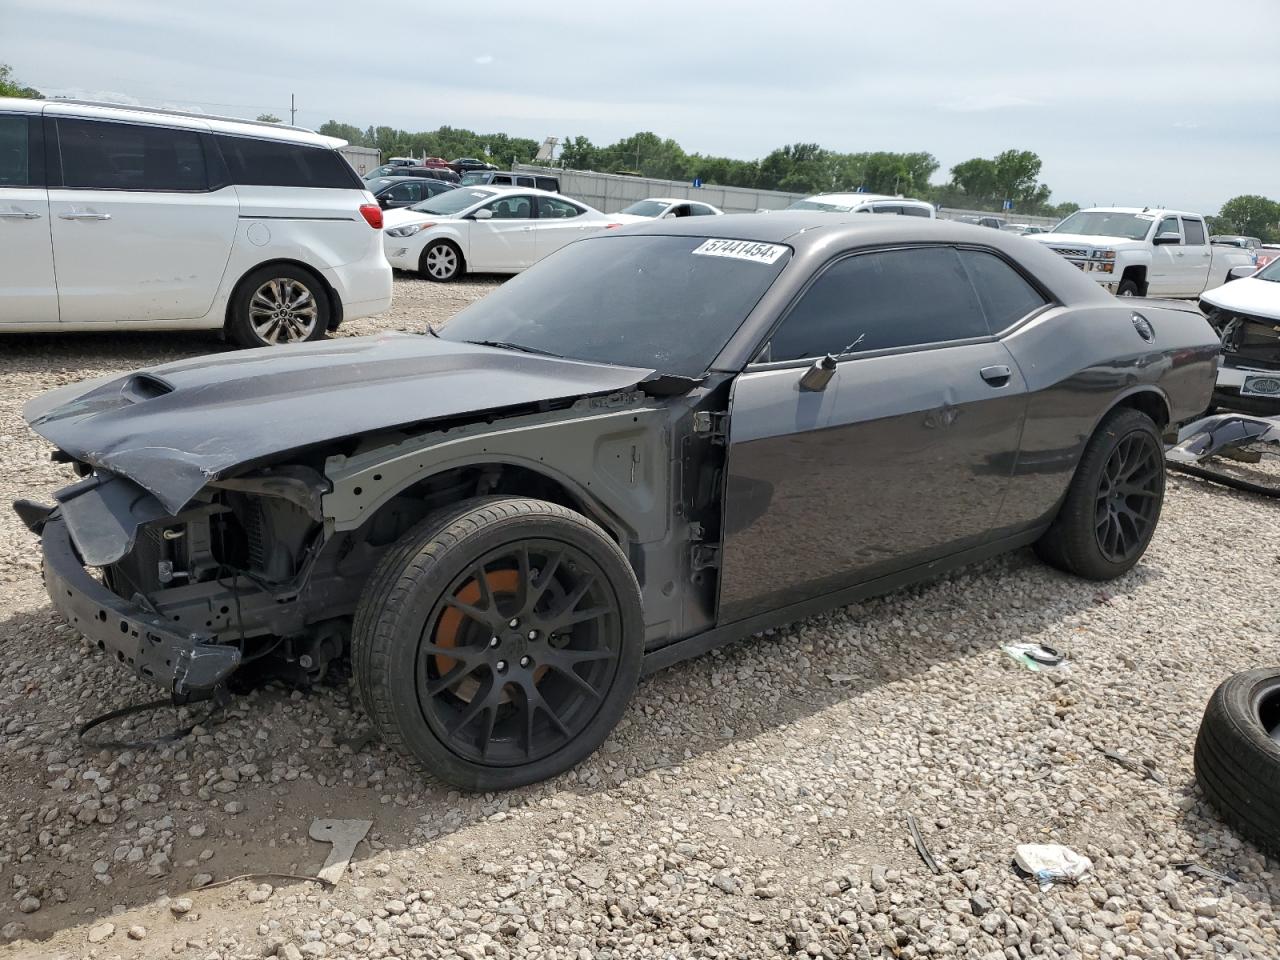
(655, 441)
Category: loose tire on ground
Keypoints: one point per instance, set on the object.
(279, 304)
(1115, 495)
(1237, 758)
(499, 642)
(441, 261)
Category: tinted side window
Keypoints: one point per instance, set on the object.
(270, 163)
(15, 148)
(886, 208)
(915, 211)
(1005, 294)
(512, 208)
(701, 211)
(1194, 230)
(1167, 225)
(550, 208)
(878, 300)
(101, 155)
(550, 184)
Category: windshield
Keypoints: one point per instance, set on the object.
(645, 208)
(817, 205)
(1102, 223)
(663, 303)
(1270, 272)
(383, 171)
(452, 201)
(476, 176)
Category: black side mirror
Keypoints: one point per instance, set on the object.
(819, 375)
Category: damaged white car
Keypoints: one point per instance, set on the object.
(1246, 313)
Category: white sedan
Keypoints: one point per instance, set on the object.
(485, 230)
(665, 208)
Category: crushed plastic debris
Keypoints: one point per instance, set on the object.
(1050, 863)
(1036, 656)
(344, 835)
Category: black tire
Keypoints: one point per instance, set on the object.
(513, 682)
(1237, 759)
(1108, 516)
(283, 285)
(1128, 288)
(441, 261)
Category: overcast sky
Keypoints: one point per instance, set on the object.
(1172, 102)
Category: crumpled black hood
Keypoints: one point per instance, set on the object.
(174, 427)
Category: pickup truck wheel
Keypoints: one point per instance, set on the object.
(1237, 758)
(276, 305)
(499, 642)
(1113, 503)
(1127, 288)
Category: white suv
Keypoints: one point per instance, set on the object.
(129, 218)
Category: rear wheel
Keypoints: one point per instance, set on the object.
(279, 304)
(499, 643)
(441, 261)
(1113, 504)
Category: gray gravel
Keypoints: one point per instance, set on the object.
(751, 804)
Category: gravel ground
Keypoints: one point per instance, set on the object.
(752, 803)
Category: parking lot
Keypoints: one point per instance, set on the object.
(752, 803)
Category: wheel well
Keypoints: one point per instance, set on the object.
(335, 302)
(1150, 403)
(408, 506)
(1138, 275)
(462, 259)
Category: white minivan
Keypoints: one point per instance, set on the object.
(130, 218)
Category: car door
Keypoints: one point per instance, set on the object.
(1197, 257)
(901, 458)
(561, 222)
(137, 230)
(505, 242)
(28, 293)
(1168, 261)
(401, 195)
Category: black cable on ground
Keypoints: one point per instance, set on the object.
(220, 699)
(1225, 479)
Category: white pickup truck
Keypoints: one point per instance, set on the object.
(1140, 252)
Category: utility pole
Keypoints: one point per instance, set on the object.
(293, 111)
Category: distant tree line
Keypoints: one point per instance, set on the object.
(795, 168)
(979, 183)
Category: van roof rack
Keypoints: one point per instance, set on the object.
(167, 111)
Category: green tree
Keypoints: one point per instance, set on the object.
(343, 131)
(268, 118)
(9, 87)
(1251, 215)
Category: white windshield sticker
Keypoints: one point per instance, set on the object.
(741, 250)
(1145, 216)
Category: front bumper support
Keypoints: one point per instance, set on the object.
(187, 664)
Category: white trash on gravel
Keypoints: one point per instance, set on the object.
(1050, 863)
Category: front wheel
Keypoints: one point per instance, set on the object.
(441, 261)
(1113, 504)
(279, 304)
(499, 642)
(1128, 288)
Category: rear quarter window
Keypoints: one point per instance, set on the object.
(1006, 295)
(271, 163)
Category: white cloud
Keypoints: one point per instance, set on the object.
(980, 102)
(484, 59)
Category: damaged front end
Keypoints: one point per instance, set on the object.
(1233, 449)
(186, 599)
(1249, 377)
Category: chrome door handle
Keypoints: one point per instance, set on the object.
(18, 215)
(84, 216)
(1179, 253)
(997, 375)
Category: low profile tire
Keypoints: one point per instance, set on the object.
(1128, 288)
(441, 261)
(279, 304)
(1237, 759)
(1113, 504)
(499, 642)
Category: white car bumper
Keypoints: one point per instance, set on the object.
(364, 286)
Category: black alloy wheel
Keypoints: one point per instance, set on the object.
(499, 641)
(1128, 498)
(519, 653)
